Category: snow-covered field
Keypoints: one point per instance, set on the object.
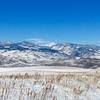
(44, 83)
(65, 69)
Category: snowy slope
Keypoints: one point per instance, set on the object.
(59, 54)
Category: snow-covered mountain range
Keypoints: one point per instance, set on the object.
(28, 53)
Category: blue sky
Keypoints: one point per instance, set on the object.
(55, 20)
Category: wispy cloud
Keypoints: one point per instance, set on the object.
(40, 41)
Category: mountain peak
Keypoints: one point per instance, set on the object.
(48, 53)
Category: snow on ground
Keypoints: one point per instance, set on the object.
(47, 83)
(44, 69)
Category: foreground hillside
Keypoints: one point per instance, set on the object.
(66, 84)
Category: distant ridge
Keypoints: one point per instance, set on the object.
(29, 53)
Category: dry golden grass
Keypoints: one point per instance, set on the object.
(77, 83)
